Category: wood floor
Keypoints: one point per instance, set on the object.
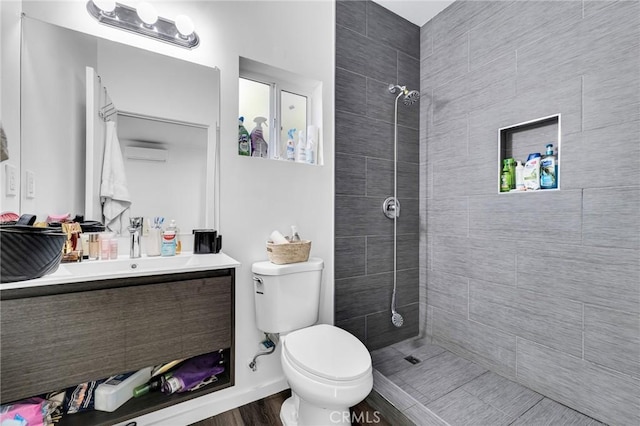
(266, 412)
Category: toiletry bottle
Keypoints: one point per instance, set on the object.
(549, 169)
(520, 176)
(244, 148)
(94, 246)
(301, 155)
(291, 145)
(259, 147)
(168, 243)
(531, 174)
(104, 246)
(113, 248)
(311, 145)
(505, 177)
(511, 163)
(294, 234)
(173, 227)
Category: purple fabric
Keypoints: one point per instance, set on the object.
(194, 370)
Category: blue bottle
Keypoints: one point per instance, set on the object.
(549, 169)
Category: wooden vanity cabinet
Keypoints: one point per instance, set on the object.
(57, 336)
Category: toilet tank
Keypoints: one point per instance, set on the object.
(287, 296)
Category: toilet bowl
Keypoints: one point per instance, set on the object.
(329, 370)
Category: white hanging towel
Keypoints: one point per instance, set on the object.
(114, 193)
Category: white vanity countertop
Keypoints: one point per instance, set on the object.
(123, 267)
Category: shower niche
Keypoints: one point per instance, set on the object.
(519, 141)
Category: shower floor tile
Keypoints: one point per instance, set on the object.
(447, 389)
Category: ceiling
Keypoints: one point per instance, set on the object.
(416, 11)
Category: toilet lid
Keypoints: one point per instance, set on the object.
(329, 352)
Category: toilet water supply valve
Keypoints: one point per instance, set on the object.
(269, 344)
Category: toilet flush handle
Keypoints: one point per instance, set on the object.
(258, 283)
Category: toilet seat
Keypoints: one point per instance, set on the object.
(327, 352)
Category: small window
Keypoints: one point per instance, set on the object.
(284, 103)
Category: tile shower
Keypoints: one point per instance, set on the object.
(539, 288)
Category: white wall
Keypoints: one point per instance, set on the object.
(256, 196)
(10, 95)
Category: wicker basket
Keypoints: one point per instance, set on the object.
(294, 252)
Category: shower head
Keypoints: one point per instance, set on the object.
(396, 319)
(411, 98)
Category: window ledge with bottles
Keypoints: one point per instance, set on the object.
(529, 156)
(280, 115)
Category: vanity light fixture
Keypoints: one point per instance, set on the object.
(145, 21)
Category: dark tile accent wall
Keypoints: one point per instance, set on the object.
(540, 287)
(375, 48)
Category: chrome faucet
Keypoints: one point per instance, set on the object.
(135, 230)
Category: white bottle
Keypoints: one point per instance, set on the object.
(519, 176)
(531, 175)
(311, 145)
(301, 154)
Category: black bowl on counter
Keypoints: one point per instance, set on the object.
(28, 252)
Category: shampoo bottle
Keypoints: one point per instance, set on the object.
(291, 145)
(301, 154)
(244, 148)
(549, 169)
(259, 147)
(531, 174)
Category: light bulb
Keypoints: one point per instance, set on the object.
(106, 6)
(147, 13)
(185, 25)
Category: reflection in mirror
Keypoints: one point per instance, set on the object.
(165, 112)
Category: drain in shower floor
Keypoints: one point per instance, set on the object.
(412, 360)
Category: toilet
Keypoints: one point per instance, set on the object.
(328, 369)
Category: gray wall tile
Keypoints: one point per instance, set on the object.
(380, 253)
(370, 294)
(484, 259)
(582, 47)
(350, 257)
(449, 143)
(360, 135)
(462, 16)
(350, 174)
(380, 179)
(598, 392)
(448, 62)
(611, 217)
(505, 395)
(489, 347)
(549, 320)
(352, 14)
(612, 98)
(579, 156)
(542, 216)
(356, 216)
(596, 275)
(409, 73)
(612, 339)
(380, 331)
(448, 292)
(485, 86)
(351, 92)
(448, 216)
(364, 56)
(392, 29)
(512, 27)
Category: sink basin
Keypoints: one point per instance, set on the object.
(125, 267)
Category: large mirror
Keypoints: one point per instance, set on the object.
(81, 94)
